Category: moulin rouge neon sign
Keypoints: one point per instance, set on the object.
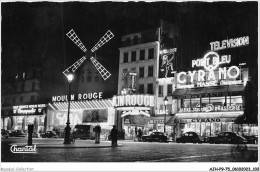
(212, 73)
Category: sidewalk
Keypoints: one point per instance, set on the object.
(77, 144)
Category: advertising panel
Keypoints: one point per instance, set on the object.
(167, 63)
(95, 115)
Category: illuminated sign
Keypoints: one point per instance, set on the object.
(166, 63)
(79, 97)
(229, 43)
(133, 100)
(213, 75)
(28, 109)
(156, 121)
(211, 108)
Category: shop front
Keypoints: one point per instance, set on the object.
(86, 112)
(210, 101)
(134, 113)
(20, 116)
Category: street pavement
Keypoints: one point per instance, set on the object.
(53, 150)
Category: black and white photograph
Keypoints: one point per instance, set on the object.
(129, 86)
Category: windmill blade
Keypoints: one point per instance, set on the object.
(72, 35)
(74, 67)
(103, 72)
(109, 35)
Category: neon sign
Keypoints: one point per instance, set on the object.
(229, 43)
(166, 63)
(211, 108)
(212, 73)
(28, 109)
(133, 100)
(85, 96)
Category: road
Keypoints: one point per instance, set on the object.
(130, 151)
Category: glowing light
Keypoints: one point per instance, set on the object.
(103, 72)
(72, 35)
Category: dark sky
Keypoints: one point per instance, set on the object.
(32, 32)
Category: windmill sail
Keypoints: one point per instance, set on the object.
(109, 35)
(74, 67)
(103, 72)
(72, 35)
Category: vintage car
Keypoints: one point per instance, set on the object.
(154, 137)
(251, 139)
(227, 137)
(189, 137)
(17, 133)
(4, 133)
(49, 134)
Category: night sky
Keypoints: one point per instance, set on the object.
(34, 32)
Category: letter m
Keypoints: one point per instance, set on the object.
(54, 98)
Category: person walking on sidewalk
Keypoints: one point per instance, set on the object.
(114, 133)
(97, 134)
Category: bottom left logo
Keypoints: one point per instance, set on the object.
(23, 149)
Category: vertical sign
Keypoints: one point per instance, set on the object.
(167, 63)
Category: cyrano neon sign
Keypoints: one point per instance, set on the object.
(211, 74)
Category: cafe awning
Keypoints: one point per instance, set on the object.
(236, 88)
(91, 104)
(218, 89)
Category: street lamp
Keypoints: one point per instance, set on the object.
(70, 77)
(165, 105)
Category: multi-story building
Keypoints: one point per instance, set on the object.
(143, 82)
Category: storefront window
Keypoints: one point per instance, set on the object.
(198, 128)
(217, 101)
(224, 126)
(229, 126)
(195, 102)
(217, 128)
(213, 129)
(186, 103)
(203, 131)
(207, 129)
(204, 101)
(236, 100)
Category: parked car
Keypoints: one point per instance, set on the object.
(49, 134)
(155, 136)
(251, 139)
(17, 133)
(4, 133)
(189, 137)
(227, 137)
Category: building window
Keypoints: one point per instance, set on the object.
(169, 89)
(127, 41)
(96, 79)
(141, 88)
(33, 86)
(142, 54)
(149, 88)
(141, 72)
(151, 53)
(135, 40)
(88, 78)
(133, 56)
(22, 87)
(160, 90)
(125, 57)
(32, 98)
(125, 71)
(14, 100)
(21, 99)
(24, 75)
(132, 70)
(150, 71)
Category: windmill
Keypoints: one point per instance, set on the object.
(73, 36)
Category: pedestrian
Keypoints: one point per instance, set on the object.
(114, 134)
(140, 133)
(97, 134)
